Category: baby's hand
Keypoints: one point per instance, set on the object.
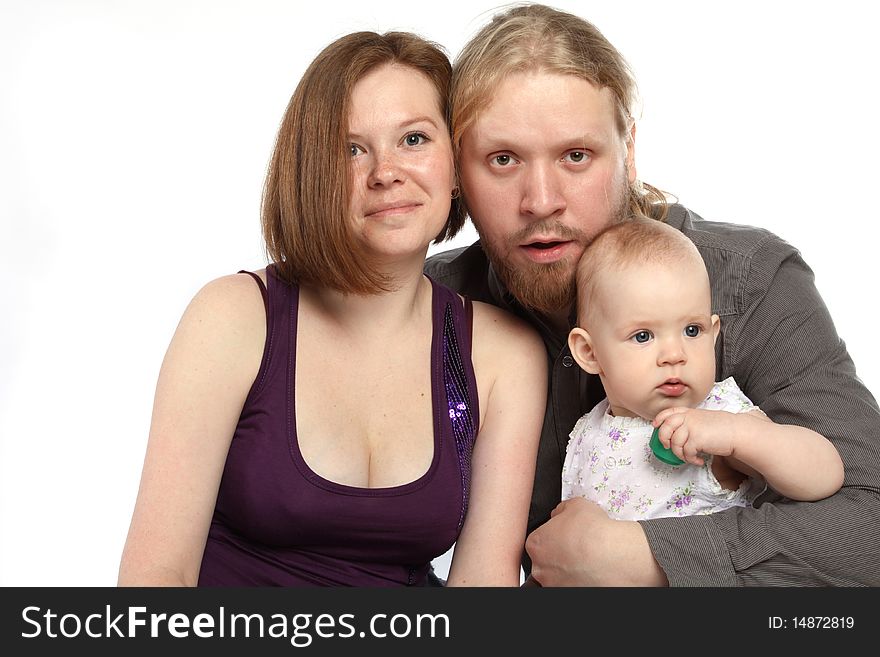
(690, 431)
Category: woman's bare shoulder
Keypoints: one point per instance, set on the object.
(498, 333)
(231, 296)
(501, 325)
(228, 310)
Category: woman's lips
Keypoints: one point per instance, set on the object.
(391, 210)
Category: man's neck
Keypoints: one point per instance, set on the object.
(556, 324)
(559, 323)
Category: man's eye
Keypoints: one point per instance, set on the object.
(415, 139)
(502, 160)
(642, 337)
(577, 156)
(692, 330)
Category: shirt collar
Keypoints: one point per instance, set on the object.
(502, 298)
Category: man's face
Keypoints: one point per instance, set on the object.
(543, 169)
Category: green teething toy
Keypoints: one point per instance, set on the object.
(661, 452)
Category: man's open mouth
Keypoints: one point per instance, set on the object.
(544, 245)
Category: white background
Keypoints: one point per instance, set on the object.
(133, 141)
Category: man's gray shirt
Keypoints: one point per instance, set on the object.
(780, 345)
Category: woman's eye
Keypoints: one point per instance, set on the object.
(642, 337)
(692, 330)
(355, 150)
(415, 139)
(577, 156)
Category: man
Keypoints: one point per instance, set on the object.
(546, 144)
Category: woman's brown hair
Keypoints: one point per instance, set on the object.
(305, 210)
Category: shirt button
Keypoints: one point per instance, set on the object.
(567, 361)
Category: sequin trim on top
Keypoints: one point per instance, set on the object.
(460, 412)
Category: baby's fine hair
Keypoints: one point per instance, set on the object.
(630, 242)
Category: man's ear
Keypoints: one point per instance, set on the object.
(581, 345)
(716, 327)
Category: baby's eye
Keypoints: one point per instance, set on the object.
(692, 330)
(415, 139)
(641, 337)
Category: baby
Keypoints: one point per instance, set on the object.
(645, 326)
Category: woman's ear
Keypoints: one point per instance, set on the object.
(581, 345)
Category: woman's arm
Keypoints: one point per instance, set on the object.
(208, 369)
(511, 367)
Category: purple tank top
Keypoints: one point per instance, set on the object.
(278, 523)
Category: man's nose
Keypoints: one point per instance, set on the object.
(542, 194)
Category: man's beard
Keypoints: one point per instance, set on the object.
(549, 288)
(545, 288)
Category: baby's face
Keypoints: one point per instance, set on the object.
(654, 337)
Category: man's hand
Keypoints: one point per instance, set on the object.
(581, 546)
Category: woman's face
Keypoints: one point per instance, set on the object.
(401, 162)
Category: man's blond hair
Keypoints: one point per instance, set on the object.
(535, 37)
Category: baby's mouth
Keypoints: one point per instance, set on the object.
(673, 387)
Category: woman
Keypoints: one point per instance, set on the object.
(330, 420)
